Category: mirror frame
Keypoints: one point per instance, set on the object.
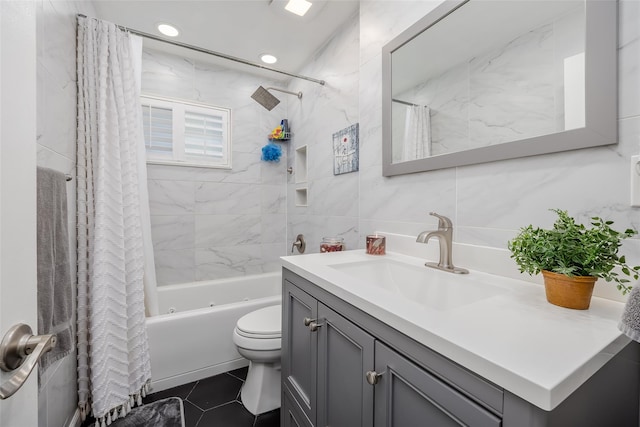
(601, 97)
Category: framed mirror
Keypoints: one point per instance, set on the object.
(477, 81)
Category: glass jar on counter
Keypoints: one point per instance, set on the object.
(331, 244)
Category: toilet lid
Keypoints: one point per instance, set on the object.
(265, 322)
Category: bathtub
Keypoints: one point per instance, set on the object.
(191, 338)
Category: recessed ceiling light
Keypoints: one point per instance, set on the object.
(299, 7)
(268, 59)
(168, 30)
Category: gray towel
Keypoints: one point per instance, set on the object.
(55, 303)
(630, 320)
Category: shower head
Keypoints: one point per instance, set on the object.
(268, 101)
(264, 98)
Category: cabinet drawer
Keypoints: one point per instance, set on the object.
(407, 396)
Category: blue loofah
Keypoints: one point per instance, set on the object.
(271, 153)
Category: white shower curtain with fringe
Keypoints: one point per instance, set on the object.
(417, 133)
(114, 368)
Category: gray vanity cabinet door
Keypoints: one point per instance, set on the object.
(289, 414)
(345, 354)
(408, 396)
(299, 348)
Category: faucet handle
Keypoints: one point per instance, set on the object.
(443, 221)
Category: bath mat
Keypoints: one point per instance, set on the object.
(162, 413)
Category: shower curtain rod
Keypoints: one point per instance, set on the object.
(399, 101)
(213, 53)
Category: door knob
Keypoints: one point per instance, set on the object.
(21, 349)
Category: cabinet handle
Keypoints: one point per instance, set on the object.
(372, 377)
(308, 320)
(313, 326)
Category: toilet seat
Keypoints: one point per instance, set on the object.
(265, 323)
(260, 330)
(256, 344)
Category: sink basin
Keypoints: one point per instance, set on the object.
(421, 285)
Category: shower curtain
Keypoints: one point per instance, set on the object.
(417, 133)
(150, 282)
(113, 356)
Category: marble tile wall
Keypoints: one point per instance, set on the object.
(523, 71)
(323, 110)
(216, 223)
(56, 149)
(488, 203)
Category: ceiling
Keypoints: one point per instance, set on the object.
(242, 28)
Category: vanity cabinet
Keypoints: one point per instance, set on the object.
(336, 373)
(342, 367)
(325, 359)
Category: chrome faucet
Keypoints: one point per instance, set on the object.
(444, 234)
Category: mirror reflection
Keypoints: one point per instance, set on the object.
(491, 72)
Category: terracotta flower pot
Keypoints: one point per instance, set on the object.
(570, 292)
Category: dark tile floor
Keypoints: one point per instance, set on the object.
(215, 402)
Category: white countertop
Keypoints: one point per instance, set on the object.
(515, 338)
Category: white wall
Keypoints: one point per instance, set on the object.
(56, 127)
(332, 200)
(489, 202)
(216, 223)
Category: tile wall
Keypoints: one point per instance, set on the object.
(216, 223)
(332, 206)
(489, 202)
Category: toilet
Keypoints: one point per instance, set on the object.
(257, 337)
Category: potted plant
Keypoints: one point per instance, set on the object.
(572, 257)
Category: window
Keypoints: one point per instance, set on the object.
(187, 134)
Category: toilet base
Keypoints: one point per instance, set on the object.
(261, 390)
